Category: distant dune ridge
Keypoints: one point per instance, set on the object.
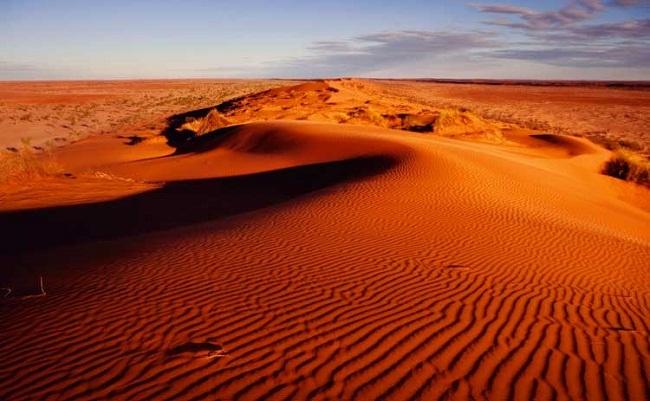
(344, 101)
(293, 245)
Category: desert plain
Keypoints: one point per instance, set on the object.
(340, 239)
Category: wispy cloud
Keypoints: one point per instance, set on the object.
(628, 3)
(612, 57)
(633, 29)
(44, 70)
(11, 67)
(530, 19)
(569, 35)
(564, 37)
(372, 52)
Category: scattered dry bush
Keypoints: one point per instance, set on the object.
(629, 166)
(23, 164)
(209, 123)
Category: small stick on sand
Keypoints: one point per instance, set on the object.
(217, 354)
(41, 287)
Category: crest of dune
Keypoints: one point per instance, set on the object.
(346, 102)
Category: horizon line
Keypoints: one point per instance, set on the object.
(431, 79)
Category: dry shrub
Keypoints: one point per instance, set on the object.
(20, 165)
(363, 115)
(209, 123)
(629, 166)
(456, 123)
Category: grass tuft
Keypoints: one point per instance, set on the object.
(212, 121)
(629, 166)
(23, 164)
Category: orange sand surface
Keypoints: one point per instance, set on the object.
(319, 242)
(58, 112)
(606, 113)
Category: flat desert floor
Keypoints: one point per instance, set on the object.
(328, 240)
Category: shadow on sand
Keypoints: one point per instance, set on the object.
(30, 238)
(175, 204)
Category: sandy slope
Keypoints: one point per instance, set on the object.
(303, 260)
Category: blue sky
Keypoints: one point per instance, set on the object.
(554, 39)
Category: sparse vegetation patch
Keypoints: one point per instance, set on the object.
(629, 166)
(20, 164)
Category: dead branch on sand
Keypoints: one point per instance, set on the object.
(41, 293)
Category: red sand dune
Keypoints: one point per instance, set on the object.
(314, 261)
